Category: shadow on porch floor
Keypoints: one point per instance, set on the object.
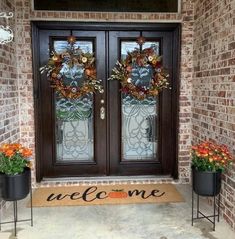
(132, 221)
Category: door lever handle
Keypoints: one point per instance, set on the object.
(102, 113)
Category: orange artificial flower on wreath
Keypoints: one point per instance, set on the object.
(14, 158)
(209, 156)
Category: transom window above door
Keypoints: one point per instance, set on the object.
(109, 5)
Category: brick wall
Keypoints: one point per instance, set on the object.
(9, 97)
(213, 97)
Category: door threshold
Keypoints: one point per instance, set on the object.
(107, 179)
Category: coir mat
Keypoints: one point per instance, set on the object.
(106, 194)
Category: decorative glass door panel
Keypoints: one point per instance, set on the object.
(139, 129)
(74, 129)
(139, 117)
(74, 117)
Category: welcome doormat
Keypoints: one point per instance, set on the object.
(106, 194)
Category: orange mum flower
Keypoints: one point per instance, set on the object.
(208, 156)
(9, 152)
(14, 158)
(25, 152)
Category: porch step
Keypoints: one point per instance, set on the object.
(146, 179)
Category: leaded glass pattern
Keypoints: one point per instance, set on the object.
(74, 117)
(138, 129)
(139, 117)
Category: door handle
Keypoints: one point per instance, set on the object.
(102, 113)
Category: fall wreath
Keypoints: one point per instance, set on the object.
(66, 69)
(142, 59)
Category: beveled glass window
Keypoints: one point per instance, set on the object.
(139, 117)
(74, 117)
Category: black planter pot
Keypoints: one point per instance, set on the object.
(206, 183)
(15, 187)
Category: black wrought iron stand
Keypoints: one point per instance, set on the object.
(15, 212)
(201, 215)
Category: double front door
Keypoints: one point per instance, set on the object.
(108, 133)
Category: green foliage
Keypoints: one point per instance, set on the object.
(12, 166)
(203, 164)
(14, 158)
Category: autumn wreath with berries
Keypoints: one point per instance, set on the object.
(141, 58)
(73, 59)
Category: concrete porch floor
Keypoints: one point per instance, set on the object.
(132, 221)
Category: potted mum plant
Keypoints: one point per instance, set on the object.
(14, 171)
(209, 160)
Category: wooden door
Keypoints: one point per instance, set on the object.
(71, 129)
(72, 137)
(142, 133)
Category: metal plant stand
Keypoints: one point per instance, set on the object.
(201, 215)
(15, 213)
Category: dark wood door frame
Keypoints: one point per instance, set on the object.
(174, 28)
